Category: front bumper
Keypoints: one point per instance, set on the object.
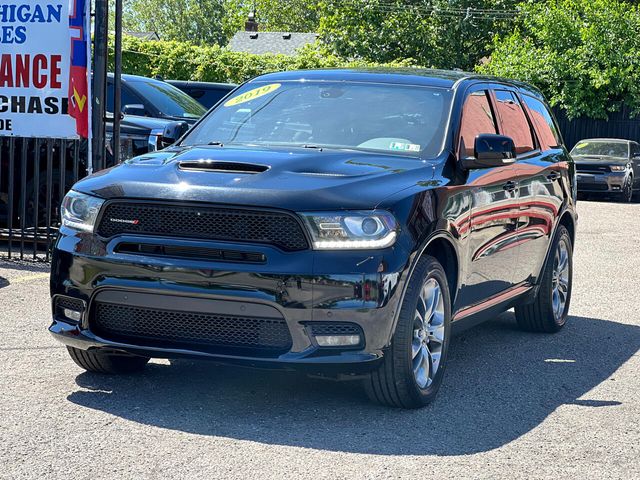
(303, 288)
(600, 182)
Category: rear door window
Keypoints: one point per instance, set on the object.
(513, 121)
(543, 123)
(477, 118)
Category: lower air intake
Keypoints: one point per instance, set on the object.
(213, 333)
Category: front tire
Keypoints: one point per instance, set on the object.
(549, 310)
(97, 361)
(412, 368)
(626, 196)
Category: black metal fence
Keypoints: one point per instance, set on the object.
(35, 173)
(619, 125)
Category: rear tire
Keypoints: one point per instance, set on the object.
(413, 366)
(549, 310)
(101, 362)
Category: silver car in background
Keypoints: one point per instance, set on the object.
(608, 166)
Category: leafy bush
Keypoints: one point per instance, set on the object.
(184, 61)
(583, 54)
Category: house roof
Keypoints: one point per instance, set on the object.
(144, 35)
(285, 43)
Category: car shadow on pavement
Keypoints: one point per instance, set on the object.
(500, 384)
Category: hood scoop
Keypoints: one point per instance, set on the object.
(222, 167)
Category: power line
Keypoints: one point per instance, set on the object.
(394, 7)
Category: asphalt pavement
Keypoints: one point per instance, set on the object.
(513, 405)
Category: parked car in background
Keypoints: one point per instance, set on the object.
(206, 93)
(149, 97)
(151, 109)
(342, 221)
(608, 166)
(155, 115)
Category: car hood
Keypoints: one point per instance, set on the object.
(598, 160)
(289, 178)
(133, 124)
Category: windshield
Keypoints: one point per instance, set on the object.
(169, 100)
(608, 149)
(408, 120)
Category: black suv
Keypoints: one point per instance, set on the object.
(339, 221)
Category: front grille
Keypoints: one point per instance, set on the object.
(213, 223)
(592, 168)
(224, 334)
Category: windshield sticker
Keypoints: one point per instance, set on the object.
(404, 147)
(252, 94)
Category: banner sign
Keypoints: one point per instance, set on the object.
(44, 58)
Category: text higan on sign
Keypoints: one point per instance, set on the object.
(43, 68)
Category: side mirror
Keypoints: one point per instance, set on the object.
(172, 132)
(491, 151)
(134, 109)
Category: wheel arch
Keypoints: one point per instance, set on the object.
(567, 221)
(442, 248)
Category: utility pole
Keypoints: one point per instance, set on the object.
(99, 85)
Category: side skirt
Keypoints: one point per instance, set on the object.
(471, 316)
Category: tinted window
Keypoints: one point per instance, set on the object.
(127, 98)
(543, 123)
(206, 97)
(513, 122)
(477, 118)
(169, 101)
(407, 120)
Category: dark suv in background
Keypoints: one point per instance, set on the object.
(151, 108)
(608, 166)
(336, 221)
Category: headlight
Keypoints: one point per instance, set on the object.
(351, 230)
(79, 211)
(618, 168)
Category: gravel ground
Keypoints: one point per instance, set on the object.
(513, 405)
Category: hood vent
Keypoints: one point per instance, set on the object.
(222, 167)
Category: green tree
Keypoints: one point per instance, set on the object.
(197, 21)
(583, 54)
(272, 15)
(437, 33)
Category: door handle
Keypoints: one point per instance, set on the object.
(553, 176)
(509, 186)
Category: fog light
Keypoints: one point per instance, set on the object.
(338, 340)
(69, 308)
(72, 314)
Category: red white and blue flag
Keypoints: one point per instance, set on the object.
(78, 78)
